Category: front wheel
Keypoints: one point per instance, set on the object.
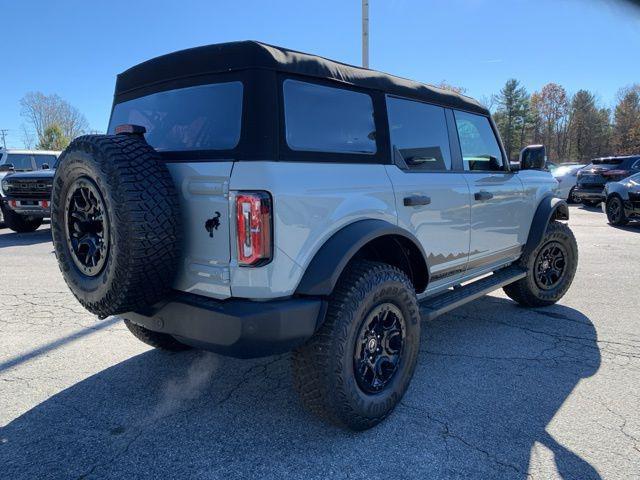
(550, 269)
(19, 223)
(615, 211)
(573, 198)
(357, 367)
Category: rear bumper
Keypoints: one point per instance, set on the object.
(589, 193)
(236, 327)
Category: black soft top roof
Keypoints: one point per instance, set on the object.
(245, 55)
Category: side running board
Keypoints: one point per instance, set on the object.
(437, 305)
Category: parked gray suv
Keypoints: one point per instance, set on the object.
(253, 200)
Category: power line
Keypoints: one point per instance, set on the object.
(3, 133)
(365, 33)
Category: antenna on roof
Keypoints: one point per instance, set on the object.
(365, 33)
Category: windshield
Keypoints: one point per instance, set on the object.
(23, 162)
(206, 117)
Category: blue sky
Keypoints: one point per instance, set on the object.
(75, 48)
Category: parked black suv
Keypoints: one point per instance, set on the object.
(26, 199)
(593, 177)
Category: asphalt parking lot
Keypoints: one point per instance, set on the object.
(499, 392)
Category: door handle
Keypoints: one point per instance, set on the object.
(416, 200)
(482, 195)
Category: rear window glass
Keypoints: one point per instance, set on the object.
(327, 119)
(607, 161)
(207, 117)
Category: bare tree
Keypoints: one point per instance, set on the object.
(28, 138)
(41, 111)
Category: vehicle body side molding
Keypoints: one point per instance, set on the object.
(549, 208)
(329, 262)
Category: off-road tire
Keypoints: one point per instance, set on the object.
(20, 223)
(620, 218)
(526, 291)
(142, 211)
(323, 368)
(163, 341)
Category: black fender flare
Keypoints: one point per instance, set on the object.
(327, 265)
(548, 209)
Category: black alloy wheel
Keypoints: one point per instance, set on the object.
(550, 265)
(379, 347)
(86, 227)
(615, 211)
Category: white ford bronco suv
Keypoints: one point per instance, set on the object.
(252, 200)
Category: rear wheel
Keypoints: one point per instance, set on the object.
(615, 211)
(550, 269)
(357, 367)
(115, 223)
(19, 223)
(159, 340)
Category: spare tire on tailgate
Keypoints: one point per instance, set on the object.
(115, 223)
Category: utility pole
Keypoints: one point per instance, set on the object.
(365, 33)
(3, 134)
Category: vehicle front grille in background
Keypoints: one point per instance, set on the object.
(635, 199)
(31, 188)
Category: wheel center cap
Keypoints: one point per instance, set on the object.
(372, 344)
(546, 265)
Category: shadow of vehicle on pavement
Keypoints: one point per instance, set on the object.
(632, 226)
(9, 238)
(490, 378)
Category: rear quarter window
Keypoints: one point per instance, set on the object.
(327, 119)
(206, 117)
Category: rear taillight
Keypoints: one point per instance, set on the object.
(253, 224)
(616, 174)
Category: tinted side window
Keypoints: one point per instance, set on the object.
(327, 119)
(419, 134)
(480, 149)
(206, 117)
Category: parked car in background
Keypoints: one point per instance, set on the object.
(566, 175)
(593, 178)
(623, 200)
(29, 173)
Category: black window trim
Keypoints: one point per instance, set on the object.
(382, 155)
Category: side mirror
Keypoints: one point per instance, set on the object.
(7, 167)
(533, 157)
(45, 166)
(514, 166)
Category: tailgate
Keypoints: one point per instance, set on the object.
(204, 204)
